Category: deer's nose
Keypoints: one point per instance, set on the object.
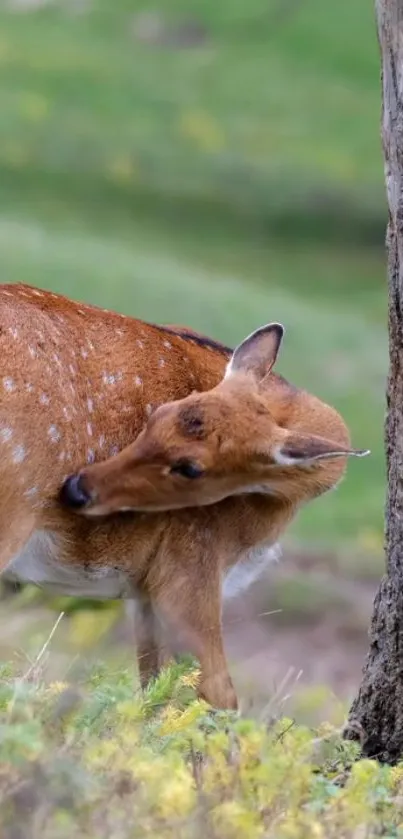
(74, 494)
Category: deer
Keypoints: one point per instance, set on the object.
(151, 463)
(216, 477)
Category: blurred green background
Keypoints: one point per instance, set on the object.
(215, 164)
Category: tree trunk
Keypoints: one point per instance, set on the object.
(376, 716)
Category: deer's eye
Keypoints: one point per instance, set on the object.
(187, 469)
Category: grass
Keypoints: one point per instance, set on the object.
(94, 757)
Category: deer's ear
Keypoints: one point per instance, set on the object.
(300, 449)
(257, 354)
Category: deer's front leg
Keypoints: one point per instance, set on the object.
(193, 608)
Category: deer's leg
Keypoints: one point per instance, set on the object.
(193, 607)
(146, 635)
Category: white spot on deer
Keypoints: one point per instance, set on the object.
(161, 362)
(119, 332)
(39, 334)
(54, 433)
(62, 456)
(168, 345)
(81, 311)
(67, 413)
(29, 386)
(140, 344)
(109, 379)
(6, 434)
(89, 429)
(29, 493)
(90, 456)
(101, 441)
(8, 384)
(32, 351)
(37, 293)
(113, 451)
(138, 381)
(44, 399)
(18, 454)
(90, 405)
(7, 293)
(149, 410)
(84, 352)
(14, 331)
(56, 358)
(90, 344)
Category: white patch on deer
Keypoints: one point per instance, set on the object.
(248, 569)
(90, 405)
(18, 454)
(14, 332)
(138, 381)
(109, 379)
(32, 351)
(29, 493)
(8, 384)
(140, 344)
(6, 434)
(37, 293)
(161, 363)
(40, 562)
(54, 434)
(84, 353)
(90, 456)
(149, 410)
(89, 429)
(167, 345)
(72, 369)
(44, 399)
(113, 451)
(29, 387)
(101, 441)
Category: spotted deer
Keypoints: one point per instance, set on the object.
(190, 511)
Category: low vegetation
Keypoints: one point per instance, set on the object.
(95, 758)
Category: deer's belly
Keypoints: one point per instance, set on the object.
(38, 563)
(240, 576)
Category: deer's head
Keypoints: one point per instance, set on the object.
(253, 432)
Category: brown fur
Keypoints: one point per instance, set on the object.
(78, 384)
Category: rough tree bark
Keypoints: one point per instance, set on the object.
(376, 716)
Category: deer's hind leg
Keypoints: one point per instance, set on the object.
(152, 653)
